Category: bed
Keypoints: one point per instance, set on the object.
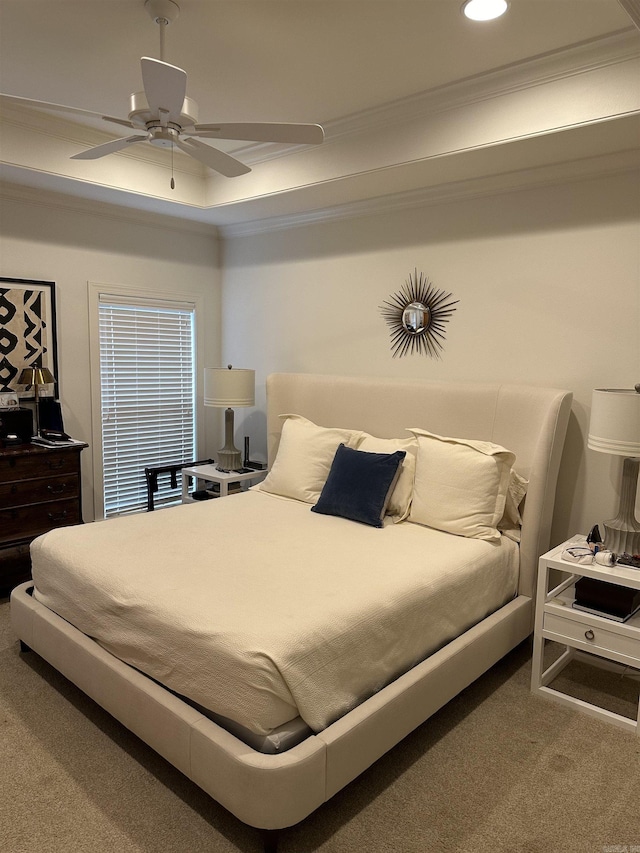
(245, 685)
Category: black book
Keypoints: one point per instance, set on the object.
(606, 599)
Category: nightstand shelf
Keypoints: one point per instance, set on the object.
(598, 637)
(211, 474)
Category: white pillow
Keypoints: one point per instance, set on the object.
(400, 501)
(460, 485)
(304, 458)
(511, 521)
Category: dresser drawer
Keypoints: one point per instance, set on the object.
(29, 466)
(23, 492)
(621, 643)
(30, 521)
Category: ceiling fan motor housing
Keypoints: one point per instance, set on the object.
(140, 115)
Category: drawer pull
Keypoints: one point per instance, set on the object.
(55, 463)
(57, 490)
(57, 516)
(589, 634)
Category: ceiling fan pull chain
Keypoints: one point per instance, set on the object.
(173, 183)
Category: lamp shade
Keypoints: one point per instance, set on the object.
(615, 421)
(35, 376)
(229, 387)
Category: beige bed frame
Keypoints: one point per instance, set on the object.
(276, 791)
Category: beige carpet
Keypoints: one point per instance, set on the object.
(496, 771)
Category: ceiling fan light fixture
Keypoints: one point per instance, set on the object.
(163, 137)
(484, 10)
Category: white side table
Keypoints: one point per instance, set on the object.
(579, 631)
(211, 474)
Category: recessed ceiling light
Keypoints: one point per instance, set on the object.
(485, 10)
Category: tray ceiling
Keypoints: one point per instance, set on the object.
(398, 85)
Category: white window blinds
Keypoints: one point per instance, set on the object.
(147, 381)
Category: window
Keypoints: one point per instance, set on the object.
(147, 395)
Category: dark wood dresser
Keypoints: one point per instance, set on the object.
(39, 490)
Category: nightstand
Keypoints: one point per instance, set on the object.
(211, 474)
(579, 631)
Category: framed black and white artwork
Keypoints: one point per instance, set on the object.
(27, 333)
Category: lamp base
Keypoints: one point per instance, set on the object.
(622, 533)
(229, 458)
(621, 541)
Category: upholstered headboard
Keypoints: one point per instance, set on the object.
(526, 419)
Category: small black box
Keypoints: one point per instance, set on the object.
(16, 422)
(608, 599)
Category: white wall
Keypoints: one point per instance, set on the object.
(53, 242)
(549, 286)
(548, 281)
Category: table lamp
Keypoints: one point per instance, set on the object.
(615, 428)
(36, 376)
(227, 387)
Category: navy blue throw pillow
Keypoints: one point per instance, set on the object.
(359, 485)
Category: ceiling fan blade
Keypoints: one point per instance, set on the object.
(108, 148)
(305, 134)
(165, 87)
(214, 159)
(60, 108)
(123, 122)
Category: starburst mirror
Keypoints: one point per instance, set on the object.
(416, 316)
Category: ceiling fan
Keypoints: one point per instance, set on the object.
(164, 116)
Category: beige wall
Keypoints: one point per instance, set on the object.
(549, 286)
(49, 241)
(548, 281)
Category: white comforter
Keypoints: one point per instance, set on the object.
(260, 610)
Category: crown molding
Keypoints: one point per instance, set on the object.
(510, 182)
(590, 56)
(632, 8)
(582, 58)
(51, 200)
(33, 121)
(578, 170)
